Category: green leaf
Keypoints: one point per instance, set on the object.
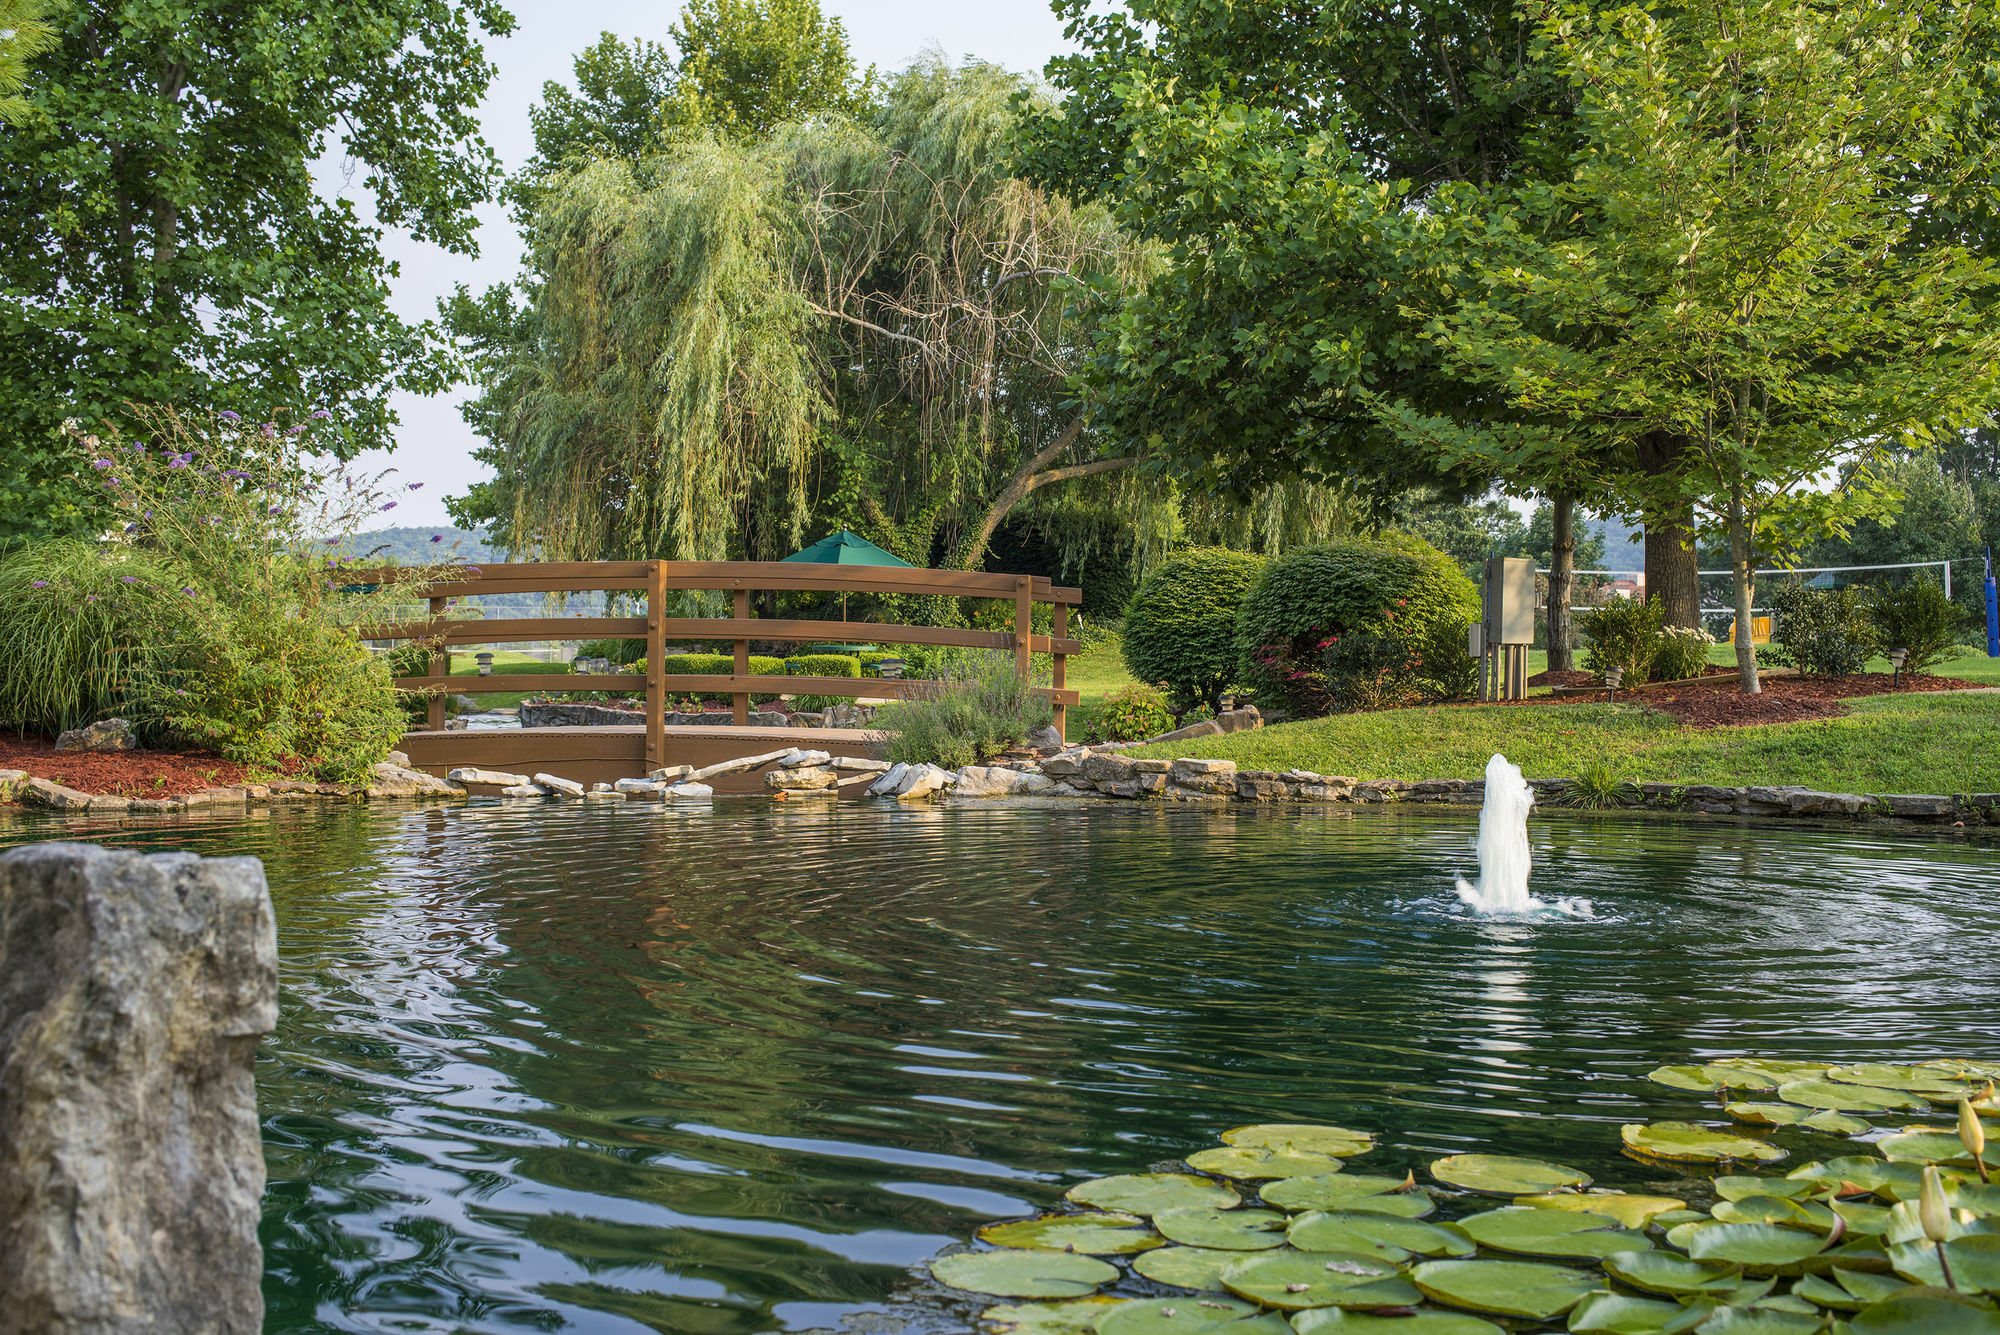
(1629, 1210)
(1836, 1097)
(1334, 1140)
(1013, 1272)
(1925, 1145)
(1915, 1079)
(1758, 1321)
(1335, 1321)
(1062, 1318)
(1186, 1267)
(1251, 1162)
(1615, 1314)
(1776, 1210)
(1228, 1230)
(1294, 1280)
(1677, 1276)
(1929, 1313)
(1761, 1249)
(1178, 1316)
(1504, 1175)
(1712, 1077)
(1568, 1234)
(1104, 1234)
(1734, 1187)
(1349, 1191)
(1375, 1234)
(1504, 1288)
(1792, 1114)
(1684, 1142)
(1149, 1193)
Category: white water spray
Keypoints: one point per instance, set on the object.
(1504, 857)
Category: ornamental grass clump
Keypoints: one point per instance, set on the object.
(978, 708)
(215, 611)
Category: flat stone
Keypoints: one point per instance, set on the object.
(740, 765)
(457, 725)
(111, 734)
(1150, 782)
(799, 759)
(807, 718)
(1260, 790)
(891, 779)
(1239, 720)
(1705, 792)
(1151, 766)
(105, 803)
(55, 796)
(666, 774)
(1321, 792)
(631, 786)
(398, 758)
(686, 792)
(1437, 787)
(803, 779)
(1043, 738)
(1101, 770)
(1807, 802)
(133, 991)
(578, 714)
(1918, 806)
(524, 790)
(1205, 728)
(559, 786)
(923, 781)
(1065, 765)
(1189, 765)
(1174, 792)
(497, 778)
(1380, 790)
(860, 765)
(1126, 788)
(414, 782)
(157, 806)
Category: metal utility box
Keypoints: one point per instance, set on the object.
(1506, 628)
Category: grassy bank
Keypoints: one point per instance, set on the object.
(1936, 743)
(508, 663)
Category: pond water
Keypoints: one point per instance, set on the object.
(745, 1069)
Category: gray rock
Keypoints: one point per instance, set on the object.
(559, 786)
(1437, 788)
(891, 779)
(1380, 790)
(1151, 766)
(632, 786)
(133, 990)
(464, 704)
(524, 790)
(741, 765)
(1067, 765)
(807, 718)
(1268, 788)
(995, 781)
(1239, 720)
(397, 781)
(111, 734)
(803, 779)
(1322, 792)
(1120, 788)
(1913, 806)
(1044, 738)
(1150, 782)
(923, 781)
(849, 716)
(1807, 802)
(1206, 728)
(667, 774)
(499, 778)
(603, 795)
(1204, 776)
(799, 756)
(398, 758)
(1101, 770)
(55, 796)
(860, 765)
(686, 792)
(575, 714)
(457, 725)
(112, 805)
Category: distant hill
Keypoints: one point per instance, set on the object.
(413, 546)
(1624, 545)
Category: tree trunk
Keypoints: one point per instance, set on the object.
(1671, 564)
(1562, 567)
(1741, 562)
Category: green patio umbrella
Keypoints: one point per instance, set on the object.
(847, 549)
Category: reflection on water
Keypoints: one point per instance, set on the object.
(570, 1068)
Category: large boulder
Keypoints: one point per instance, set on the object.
(112, 734)
(133, 990)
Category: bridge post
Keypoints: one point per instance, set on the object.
(1024, 627)
(740, 702)
(656, 649)
(1060, 677)
(440, 667)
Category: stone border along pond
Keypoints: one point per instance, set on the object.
(1268, 1234)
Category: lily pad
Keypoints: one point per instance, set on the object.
(1761, 1249)
(1064, 1318)
(1862, 1220)
(1374, 1234)
(1505, 1175)
(1504, 1288)
(1334, 1321)
(1297, 1280)
(1793, 1114)
(1149, 1193)
(1186, 1267)
(1334, 1140)
(1254, 1162)
(1676, 1276)
(1350, 1191)
(1684, 1142)
(1615, 1314)
(1924, 1314)
(1630, 1210)
(1709, 1078)
(1735, 1186)
(1226, 1230)
(1914, 1079)
(1178, 1316)
(1847, 1290)
(1833, 1095)
(1098, 1234)
(1776, 1210)
(1974, 1259)
(1018, 1272)
(1759, 1321)
(1924, 1145)
(1569, 1234)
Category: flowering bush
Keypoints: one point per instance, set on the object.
(1682, 653)
(1131, 715)
(219, 610)
(1369, 669)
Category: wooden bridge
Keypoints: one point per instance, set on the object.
(592, 754)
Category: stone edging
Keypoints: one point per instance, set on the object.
(393, 779)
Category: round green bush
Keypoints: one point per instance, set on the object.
(1305, 599)
(1180, 626)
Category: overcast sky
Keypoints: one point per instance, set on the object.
(434, 446)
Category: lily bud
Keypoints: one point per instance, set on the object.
(1971, 1130)
(1932, 1211)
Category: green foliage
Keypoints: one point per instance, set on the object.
(1306, 598)
(1367, 669)
(1599, 788)
(163, 239)
(1916, 616)
(1180, 626)
(1820, 631)
(981, 710)
(66, 647)
(1623, 634)
(29, 34)
(723, 665)
(1682, 653)
(1131, 714)
(749, 65)
(1443, 663)
(823, 665)
(617, 652)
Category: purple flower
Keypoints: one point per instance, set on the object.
(100, 463)
(186, 590)
(293, 431)
(390, 506)
(472, 570)
(416, 486)
(176, 462)
(437, 537)
(333, 542)
(228, 416)
(128, 579)
(322, 414)
(91, 599)
(130, 527)
(41, 584)
(270, 429)
(274, 509)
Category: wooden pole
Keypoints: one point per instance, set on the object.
(1024, 626)
(1060, 630)
(740, 702)
(656, 648)
(440, 668)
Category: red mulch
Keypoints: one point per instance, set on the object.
(1783, 699)
(118, 773)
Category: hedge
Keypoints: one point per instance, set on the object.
(1180, 626)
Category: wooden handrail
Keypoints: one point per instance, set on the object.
(794, 576)
(509, 630)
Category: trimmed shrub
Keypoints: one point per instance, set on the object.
(1918, 617)
(1442, 662)
(1131, 714)
(1305, 599)
(1368, 669)
(1682, 653)
(718, 665)
(1180, 626)
(981, 710)
(618, 652)
(1623, 634)
(1820, 631)
(823, 665)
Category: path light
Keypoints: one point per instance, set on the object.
(1896, 657)
(1612, 676)
(485, 664)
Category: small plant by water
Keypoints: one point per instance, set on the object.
(978, 708)
(1600, 788)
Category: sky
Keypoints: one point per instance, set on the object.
(434, 446)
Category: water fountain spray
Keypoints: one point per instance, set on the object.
(1504, 857)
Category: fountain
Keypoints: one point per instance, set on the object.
(1504, 858)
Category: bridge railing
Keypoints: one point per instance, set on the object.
(656, 579)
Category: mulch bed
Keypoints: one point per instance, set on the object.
(1783, 699)
(118, 773)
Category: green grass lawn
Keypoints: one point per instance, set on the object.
(1970, 664)
(1932, 743)
(1093, 676)
(506, 663)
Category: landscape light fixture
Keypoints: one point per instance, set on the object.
(485, 663)
(1896, 657)
(1612, 676)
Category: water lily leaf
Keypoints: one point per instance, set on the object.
(1916, 1079)
(1149, 1193)
(1862, 1220)
(1761, 1249)
(1071, 1317)
(1833, 1095)
(1562, 1233)
(1758, 1321)
(1925, 1313)
(1906, 1224)
(1848, 1290)
(1735, 1186)
(1374, 1234)
(1186, 1267)
(1334, 1140)
(1349, 1191)
(1614, 1314)
(1982, 1198)
(1504, 1175)
(1504, 1288)
(1630, 1210)
(1684, 1142)
(1924, 1145)
(1226, 1230)
(1254, 1162)
(1179, 1316)
(1334, 1321)
(1776, 1210)
(1962, 1069)
(1677, 1276)
(1016, 1272)
(1714, 1076)
(1866, 1285)
(1098, 1234)
(1974, 1260)
(1826, 1293)
(1793, 1114)
(1297, 1280)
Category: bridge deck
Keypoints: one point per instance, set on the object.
(607, 754)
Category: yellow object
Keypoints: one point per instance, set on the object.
(1760, 631)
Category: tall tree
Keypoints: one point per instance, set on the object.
(161, 236)
(25, 32)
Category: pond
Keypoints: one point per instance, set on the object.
(745, 1069)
